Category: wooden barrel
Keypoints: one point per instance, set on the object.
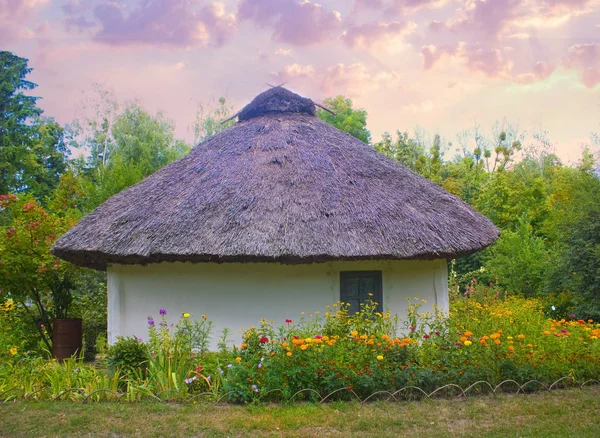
(66, 338)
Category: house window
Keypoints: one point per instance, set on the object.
(355, 287)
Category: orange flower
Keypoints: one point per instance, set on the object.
(468, 333)
(497, 342)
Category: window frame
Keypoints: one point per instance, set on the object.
(377, 275)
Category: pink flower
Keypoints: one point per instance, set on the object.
(318, 337)
(437, 333)
(412, 329)
(425, 336)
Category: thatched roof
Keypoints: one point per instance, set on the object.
(279, 186)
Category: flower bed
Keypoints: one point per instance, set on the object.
(481, 340)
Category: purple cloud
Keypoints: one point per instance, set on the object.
(172, 23)
(298, 23)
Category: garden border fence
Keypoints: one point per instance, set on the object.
(405, 393)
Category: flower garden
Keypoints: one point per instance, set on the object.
(483, 341)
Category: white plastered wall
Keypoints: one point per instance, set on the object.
(238, 295)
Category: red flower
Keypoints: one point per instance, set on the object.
(288, 321)
(264, 340)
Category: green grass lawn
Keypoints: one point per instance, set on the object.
(564, 413)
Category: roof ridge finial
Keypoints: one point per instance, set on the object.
(277, 86)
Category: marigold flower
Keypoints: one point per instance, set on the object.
(186, 315)
(547, 333)
(354, 333)
(511, 348)
(468, 333)
(467, 343)
(289, 354)
(521, 336)
(380, 357)
(13, 350)
(303, 346)
(238, 359)
(244, 345)
(497, 342)
(463, 339)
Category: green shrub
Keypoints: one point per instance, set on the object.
(129, 356)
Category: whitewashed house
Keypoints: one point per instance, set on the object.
(278, 214)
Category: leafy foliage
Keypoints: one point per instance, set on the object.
(346, 119)
(32, 149)
(29, 274)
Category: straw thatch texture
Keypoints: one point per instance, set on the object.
(278, 186)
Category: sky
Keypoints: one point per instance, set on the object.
(453, 67)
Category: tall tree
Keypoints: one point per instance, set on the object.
(346, 119)
(125, 144)
(32, 150)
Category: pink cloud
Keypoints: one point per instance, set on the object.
(585, 57)
(476, 57)
(367, 4)
(368, 34)
(484, 60)
(353, 79)
(175, 23)
(14, 17)
(403, 7)
(298, 23)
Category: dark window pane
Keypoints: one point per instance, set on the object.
(358, 287)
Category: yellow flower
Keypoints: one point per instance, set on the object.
(547, 333)
(238, 359)
(244, 345)
(380, 357)
(13, 350)
(288, 354)
(354, 333)
(186, 315)
(303, 346)
(467, 343)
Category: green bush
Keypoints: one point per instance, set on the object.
(129, 356)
